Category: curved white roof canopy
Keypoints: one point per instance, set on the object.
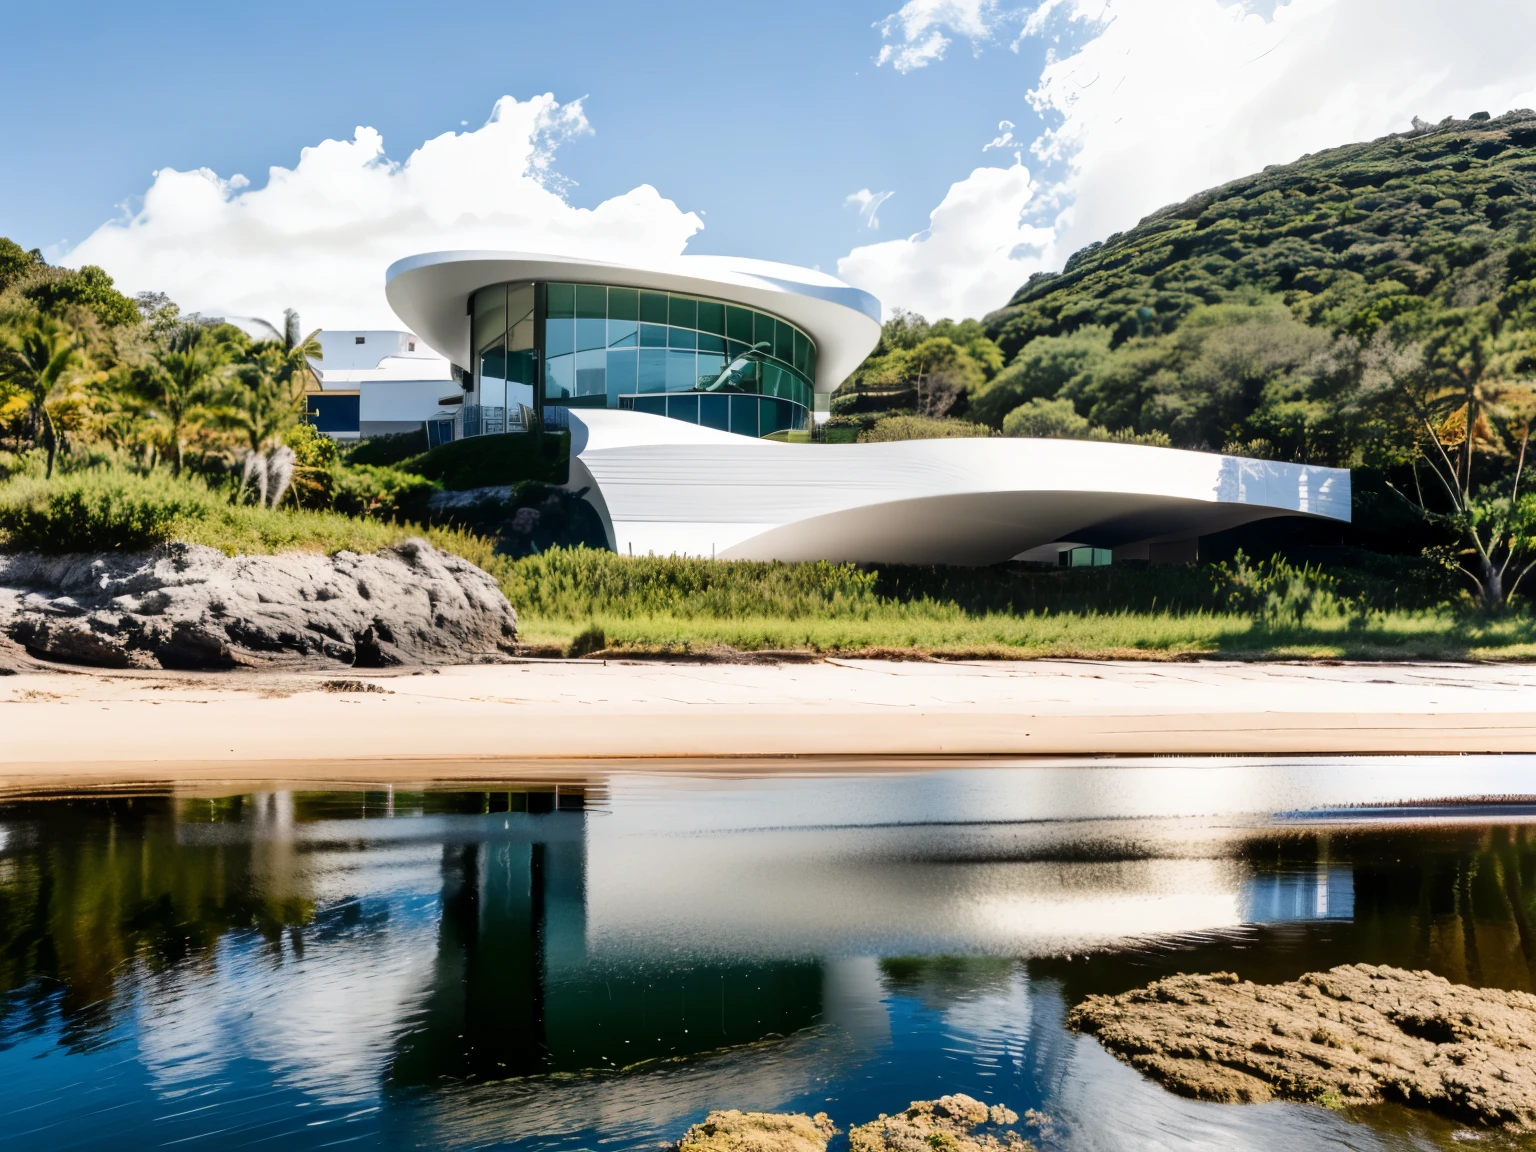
(667, 486)
(430, 293)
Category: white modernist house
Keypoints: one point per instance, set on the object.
(378, 382)
(686, 383)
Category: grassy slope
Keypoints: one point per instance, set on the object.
(1352, 236)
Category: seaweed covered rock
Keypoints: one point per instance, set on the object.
(733, 1131)
(188, 606)
(1356, 1034)
(948, 1124)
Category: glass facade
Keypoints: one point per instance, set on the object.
(548, 346)
(502, 337)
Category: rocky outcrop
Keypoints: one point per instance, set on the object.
(1356, 1034)
(733, 1131)
(187, 606)
(948, 1124)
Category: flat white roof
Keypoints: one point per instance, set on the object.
(430, 293)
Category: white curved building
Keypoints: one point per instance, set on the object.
(672, 377)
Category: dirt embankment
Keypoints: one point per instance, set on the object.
(1356, 1034)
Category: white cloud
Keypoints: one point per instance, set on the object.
(915, 35)
(319, 236)
(868, 203)
(976, 250)
(1148, 102)
(1167, 97)
(1004, 136)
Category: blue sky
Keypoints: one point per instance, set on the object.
(756, 121)
(762, 117)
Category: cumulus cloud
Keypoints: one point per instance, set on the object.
(319, 236)
(1163, 98)
(915, 36)
(976, 250)
(868, 203)
(1147, 102)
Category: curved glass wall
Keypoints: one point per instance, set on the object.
(503, 338)
(687, 357)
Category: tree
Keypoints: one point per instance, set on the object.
(16, 262)
(1045, 368)
(58, 289)
(36, 356)
(1458, 392)
(265, 400)
(182, 377)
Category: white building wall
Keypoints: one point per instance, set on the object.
(400, 381)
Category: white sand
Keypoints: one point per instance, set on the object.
(61, 726)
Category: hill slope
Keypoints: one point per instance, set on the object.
(1350, 237)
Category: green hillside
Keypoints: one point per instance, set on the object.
(1243, 315)
(1351, 238)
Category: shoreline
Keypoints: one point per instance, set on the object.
(504, 721)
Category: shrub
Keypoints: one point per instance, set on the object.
(381, 492)
(1058, 420)
(392, 449)
(920, 428)
(1280, 594)
(98, 511)
(580, 583)
(113, 509)
(486, 461)
(1045, 418)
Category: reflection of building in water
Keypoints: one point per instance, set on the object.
(1326, 892)
(513, 993)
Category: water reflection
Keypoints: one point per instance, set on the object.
(606, 961)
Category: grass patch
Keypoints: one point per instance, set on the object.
(569, 598)
(1118, 635)
(103, 510)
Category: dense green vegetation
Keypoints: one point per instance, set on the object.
(1249, 314)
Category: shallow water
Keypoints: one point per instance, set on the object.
(600, 964)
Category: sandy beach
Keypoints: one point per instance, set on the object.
(63, 727)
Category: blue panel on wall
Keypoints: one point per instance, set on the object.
(335, 413)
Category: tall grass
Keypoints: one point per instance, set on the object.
(582, 600)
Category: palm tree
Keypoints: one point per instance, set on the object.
(182, 377)
(36, 353)
(268, 399)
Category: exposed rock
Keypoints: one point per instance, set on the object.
(187, 606)
(733, 1131)
(944, 1125)
(1356, 1034)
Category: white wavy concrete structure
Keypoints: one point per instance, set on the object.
(665, 486)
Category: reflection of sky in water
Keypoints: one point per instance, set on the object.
(847, 944)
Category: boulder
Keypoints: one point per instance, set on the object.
(188, 606)
(1355, 1034)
